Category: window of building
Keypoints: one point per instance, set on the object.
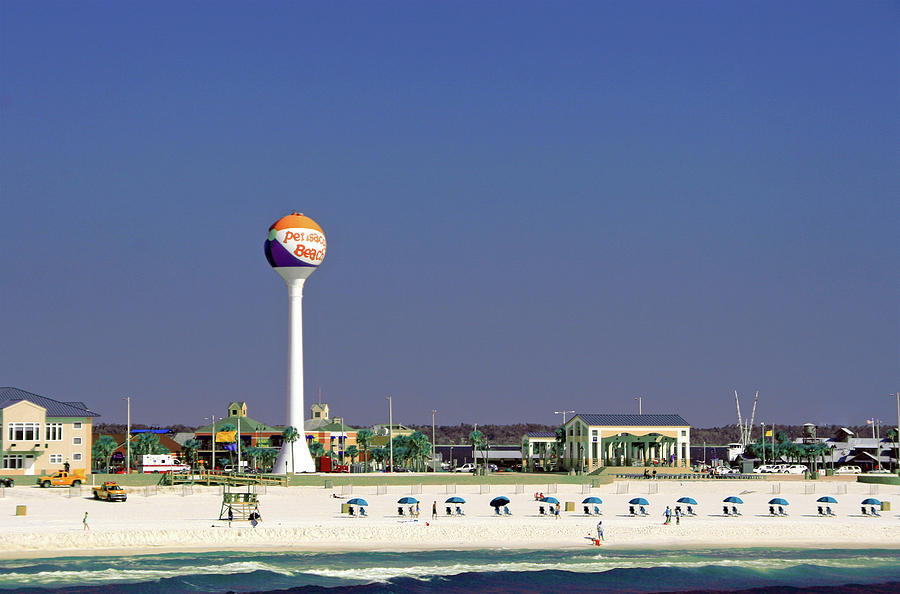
(76, 425)
(76, 441)
(13, 461)
(317, 414)
(76, 457)
(24, 431)
(53, 431)
(684, 433)
(55, 458)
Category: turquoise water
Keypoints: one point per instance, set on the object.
(448, 571)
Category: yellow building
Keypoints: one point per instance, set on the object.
(39, 435)
(594, 440)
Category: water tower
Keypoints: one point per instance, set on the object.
(295, 248)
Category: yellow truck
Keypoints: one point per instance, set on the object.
(110, 491)
(62, 479)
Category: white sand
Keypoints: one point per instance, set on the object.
(308, 518)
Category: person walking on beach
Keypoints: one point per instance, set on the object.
(678, 515)
(84, 522)
(230, 516)
(556, 512)
(434, 510)
(600, 530)
(668, 515)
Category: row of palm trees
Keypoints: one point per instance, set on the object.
(412, 451)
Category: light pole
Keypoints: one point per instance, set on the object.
(128, 436)
(897, 466)
(212, 465)
(433, 443)
(563, 413)
(763, 434)
(391, 429)
(640, 404)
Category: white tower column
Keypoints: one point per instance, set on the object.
(302, 460)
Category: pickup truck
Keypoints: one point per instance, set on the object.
(62, 479)
(110, 491)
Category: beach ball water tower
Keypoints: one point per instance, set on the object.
(294, 248)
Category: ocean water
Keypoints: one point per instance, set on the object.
(588, 570)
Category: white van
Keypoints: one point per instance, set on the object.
(767, 468)
(794, 469)
(848, 470)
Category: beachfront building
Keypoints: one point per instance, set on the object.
(253, 433)
(537, 449)
(40, 435)
(595, 440)
(334, 435)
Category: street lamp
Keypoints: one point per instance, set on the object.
(897, 467)
(212, 465)
(433, 443)
(391, 429)
(563, 413)
(640, 404)
(127, 436)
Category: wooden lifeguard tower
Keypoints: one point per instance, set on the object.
(241, 503)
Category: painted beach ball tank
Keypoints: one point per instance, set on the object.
(295, 241)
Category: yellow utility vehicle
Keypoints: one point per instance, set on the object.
(110, 491)
(62, 479)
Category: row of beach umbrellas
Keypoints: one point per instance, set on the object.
(501, 501)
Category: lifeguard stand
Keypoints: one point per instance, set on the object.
(241, 503)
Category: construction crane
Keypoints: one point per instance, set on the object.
(745, 431)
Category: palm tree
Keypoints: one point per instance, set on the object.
(476, 439)
(353, 452)
(190, 449)
(364, 439)
(103, 449)
(559, 446)
(380, 455)
(147, 443)
(290, 435)
(419, 449)
(317, 450)
(267, 457)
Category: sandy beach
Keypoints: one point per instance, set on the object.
(309, 518)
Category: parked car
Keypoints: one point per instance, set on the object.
(795, 469)
(880, 471)
(767, 468)
(725, 470)
(5, 481)
(848, 470)
(467, 467)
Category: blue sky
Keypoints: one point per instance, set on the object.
(530, 206)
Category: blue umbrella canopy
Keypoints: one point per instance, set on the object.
(407, 500)
(498, 501)
(871, 501)
(734, 499)
(826, 499)
(358, 501)
(553, 500)
(592, 500)
(689, 500)
(639, 501)
(778, 501)
(455, 499)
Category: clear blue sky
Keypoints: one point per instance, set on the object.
(530, 207)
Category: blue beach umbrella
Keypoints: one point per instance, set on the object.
(688, 500)
(778, 501)
(871, 501)
(592, 500)
(408, 500)
(826, 499)
(499, 501)
(358, 501)
(639, 501)
(552, 500)
(455, 499)
(734, 499)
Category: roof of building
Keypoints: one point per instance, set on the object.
(54, 408)
(248, 425)
(332, 427)
(670, 420)
(541, 434)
